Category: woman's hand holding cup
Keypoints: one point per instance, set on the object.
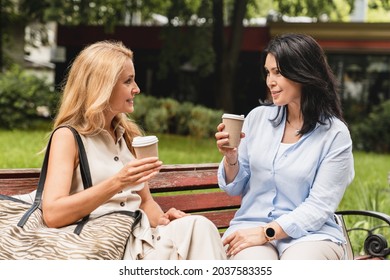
(139, 171)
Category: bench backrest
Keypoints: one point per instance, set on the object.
(191, 188)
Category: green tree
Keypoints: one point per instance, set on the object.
(208, 49)
(335, 9)
(227, 50)
(12, 25)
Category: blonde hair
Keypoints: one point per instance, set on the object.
(88, 87)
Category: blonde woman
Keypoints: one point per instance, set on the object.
(99, 91)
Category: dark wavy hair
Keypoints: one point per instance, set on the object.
(301, 59)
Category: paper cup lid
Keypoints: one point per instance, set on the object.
(141, 141)
(233, 116)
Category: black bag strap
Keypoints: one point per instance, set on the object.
(85, 175)
(84, 166)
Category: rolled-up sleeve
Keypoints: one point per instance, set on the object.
(238, 185)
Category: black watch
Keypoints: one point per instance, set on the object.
(269, 233)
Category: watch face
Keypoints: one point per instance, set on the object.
(270, 232)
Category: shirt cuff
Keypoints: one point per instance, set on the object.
(290, 227)
(235, 187)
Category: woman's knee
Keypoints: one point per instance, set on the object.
(314, 250)
(202, 222)
(264, 252)
(197, 224)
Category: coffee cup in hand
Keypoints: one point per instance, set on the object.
(145, 146)
(233, 125)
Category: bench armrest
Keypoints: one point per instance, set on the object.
(375, 244)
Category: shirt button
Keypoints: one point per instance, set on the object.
(122, 204)
(116, 158)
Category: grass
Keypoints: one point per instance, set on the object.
(369, 190)
(174, 149)
(21, 149)
(370, 184)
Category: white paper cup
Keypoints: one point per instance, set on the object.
(145, 146)
(233, 125)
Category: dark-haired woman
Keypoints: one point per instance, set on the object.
(294, 161)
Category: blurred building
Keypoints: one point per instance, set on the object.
(359, 54)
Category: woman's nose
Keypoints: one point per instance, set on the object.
(136, 90)
(271, 83)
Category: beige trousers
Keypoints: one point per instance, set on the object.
(306, 250)
(189, 238)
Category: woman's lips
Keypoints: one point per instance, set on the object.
(275, 93)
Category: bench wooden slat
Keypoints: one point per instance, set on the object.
(170, 178)
(18, 186)
(189, 166)
(185, 180)
(221, 219)
(18, 181)
(196, 202)
(19, 173)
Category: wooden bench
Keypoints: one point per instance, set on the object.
(193, 188)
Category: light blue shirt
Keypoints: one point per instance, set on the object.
(299, 186)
